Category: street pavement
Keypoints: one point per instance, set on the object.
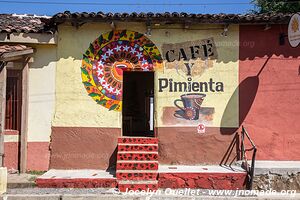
(112, 194)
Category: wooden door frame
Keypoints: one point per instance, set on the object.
(24, 116)
(9, 58)
(2, 109)
(24, 108)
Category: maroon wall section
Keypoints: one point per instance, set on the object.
(38, 156)
(184, 146)
(11, 151)
(83, 147)
(273, 117)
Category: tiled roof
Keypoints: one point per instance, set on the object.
(10, 23)
(272, 18)
(12, 48)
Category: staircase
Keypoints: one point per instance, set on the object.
(137, 163)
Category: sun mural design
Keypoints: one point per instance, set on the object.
(106, 58)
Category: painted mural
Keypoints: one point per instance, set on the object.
(194, 89)
(106, 58)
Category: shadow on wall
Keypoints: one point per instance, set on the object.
(246, 92)
(228, 157)
(112, 161)
(255, 42)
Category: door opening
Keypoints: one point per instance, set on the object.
(138, 104)
(13, 108)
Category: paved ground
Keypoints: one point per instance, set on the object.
(73, 174)
(101, 193)
(20, 180)
(21, 187)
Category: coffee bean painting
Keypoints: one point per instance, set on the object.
(106, 58)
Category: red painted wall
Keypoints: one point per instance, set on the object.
(11, 151)
(11, 155)
(83, 147)
(38, 155)
(273, 119)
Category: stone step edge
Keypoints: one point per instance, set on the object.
(135, 171)
(137, 161)
(135, 140)
(136, 144)
(138, 152)
(136, 137)
(136, 182)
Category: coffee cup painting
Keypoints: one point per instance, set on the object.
(191, 106)
(188, 110)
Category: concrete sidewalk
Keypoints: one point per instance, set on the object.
(21, 180)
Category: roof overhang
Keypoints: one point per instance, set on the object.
(172, 18)
(16, 54)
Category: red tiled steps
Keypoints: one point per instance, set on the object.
(137, 163)
(137, 175)
(137, 140)
(138, 147)
(137, 185)
(137, 155)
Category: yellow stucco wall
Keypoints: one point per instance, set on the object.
(73, 106)
(223, 69)
(41, 102)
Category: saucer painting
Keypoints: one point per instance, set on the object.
(106, 58)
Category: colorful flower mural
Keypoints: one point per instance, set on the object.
(106, 58)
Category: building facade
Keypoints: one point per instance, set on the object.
(190, 80)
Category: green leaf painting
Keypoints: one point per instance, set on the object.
(87, 84)
(93, 94)
(100, 39)
(102, 102)
(84, 71)
(110, 35)
(149, 45)
(123, 33)
(113, 107)
(138, 36)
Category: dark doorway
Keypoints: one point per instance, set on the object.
(138, 103)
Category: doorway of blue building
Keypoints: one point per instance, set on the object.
(138, 104)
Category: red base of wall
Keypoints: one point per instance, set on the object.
(219, 181)
(225, 181)
(11, 155)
